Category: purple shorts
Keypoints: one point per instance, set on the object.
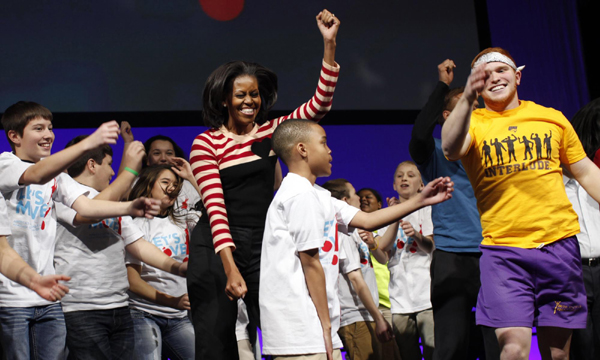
(532, 287)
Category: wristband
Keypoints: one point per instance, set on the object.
(376, 243)
(126, 168)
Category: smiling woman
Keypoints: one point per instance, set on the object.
(235, 169)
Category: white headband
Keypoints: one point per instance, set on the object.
(497, 57)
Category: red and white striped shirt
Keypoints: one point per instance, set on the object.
(235, 173)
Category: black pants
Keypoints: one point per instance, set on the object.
(586, 342)
(455, 285)
(213, 314)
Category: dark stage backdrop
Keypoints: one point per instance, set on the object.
(154, 55)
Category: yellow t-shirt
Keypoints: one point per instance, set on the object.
(513, 163)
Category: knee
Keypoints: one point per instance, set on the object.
(514, 351)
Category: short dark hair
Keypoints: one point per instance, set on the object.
(219, 86)
(148, 144)
(375, 192)
(18, 115)
(338, 188)
(586, 123)
(288, 134)
(98, 154)
(451, 95)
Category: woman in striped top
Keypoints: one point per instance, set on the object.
(234, 166)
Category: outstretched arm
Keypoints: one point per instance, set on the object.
(16, 269)
(455, 132)
(102, 209)
(436, 191)
(50, 167)
(151, 255)
(140, 287)
(382, 328)
(315, 281)
(320, 103)
(421, 144)
(127, 136)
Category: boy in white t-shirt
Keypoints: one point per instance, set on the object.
(97, 316)
(362, 326)
(409, 255)
(28, 323)
(16, 269)
(300, 252)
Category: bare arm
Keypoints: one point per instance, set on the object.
(16, 269)
(422, 144)
(151, 255)
(127, 136)
(315, 281)
(141, 288)
(588, 175)
(435, 191)
(455, 132)
(329, 26)
(374, 244)
(382, 328)
(49, 168)
(102, 209)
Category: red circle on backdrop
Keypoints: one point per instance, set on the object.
(222, 10)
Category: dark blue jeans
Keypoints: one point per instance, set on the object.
(36, 332)
(100, 334)
(159, 337)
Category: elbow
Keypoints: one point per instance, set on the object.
(449, 152)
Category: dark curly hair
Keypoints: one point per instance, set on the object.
(586, 123)
(219, 86)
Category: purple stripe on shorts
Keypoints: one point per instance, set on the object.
(532, 287)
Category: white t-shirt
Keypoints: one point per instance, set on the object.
(188, 196)
(358, 256)
(32, 220)
(93, 255)
(588, 212)
(301, 217)
(173, 240)
(410, 279)
(241, 324)
(4, 222)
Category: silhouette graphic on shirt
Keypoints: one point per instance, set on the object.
(487, 153)
(538, 145)
(510, 144)
(527, 147)
(548, 145)
(499, 147)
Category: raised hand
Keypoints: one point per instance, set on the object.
(368, 238)
(408, 229)
(134, 155)
(475, 83)
(437, 191)
(144, 207)
(446, 71)
(328, 25)
(126, 133)
(107, 133)
(182, 168)
(392, 201)
(48, 286)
